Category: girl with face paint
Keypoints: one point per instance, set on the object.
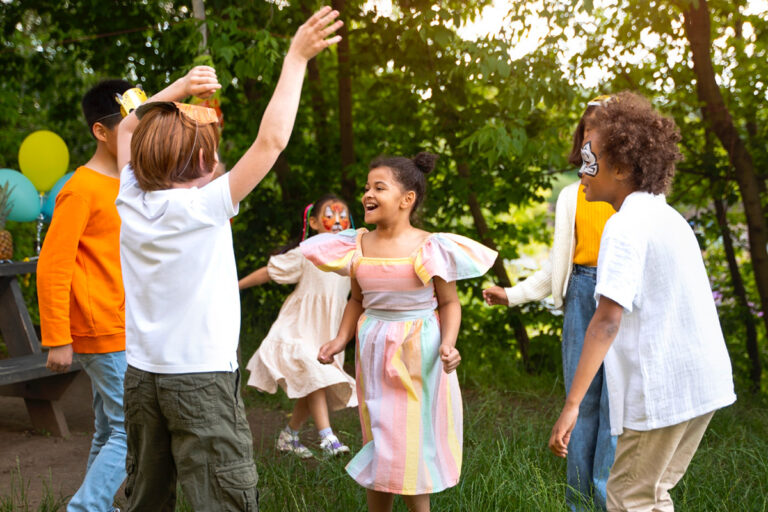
(310, 315)
(569, 276)
(406, 312)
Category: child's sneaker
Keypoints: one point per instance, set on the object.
(288, 442)
(332, 446)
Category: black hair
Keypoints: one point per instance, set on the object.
(99, 105)
(312, 210)
(410, 173)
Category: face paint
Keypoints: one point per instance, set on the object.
(589, 161)
(335, 217)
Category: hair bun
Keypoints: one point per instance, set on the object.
(425, 161)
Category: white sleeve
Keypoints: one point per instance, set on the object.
(216, 199)
(620, 264)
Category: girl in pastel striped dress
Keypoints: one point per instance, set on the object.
(407, 312)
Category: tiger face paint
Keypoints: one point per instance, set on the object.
(335, 217)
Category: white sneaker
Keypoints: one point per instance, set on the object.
(332, 446)
(288, 442)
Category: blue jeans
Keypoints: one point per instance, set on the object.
(591, 448)
(106, 462)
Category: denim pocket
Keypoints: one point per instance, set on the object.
(238, 486)
(189, 399)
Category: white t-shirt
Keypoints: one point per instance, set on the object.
(668, 363)
(182, 304)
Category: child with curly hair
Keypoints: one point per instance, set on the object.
(655, 327)
(569, 276)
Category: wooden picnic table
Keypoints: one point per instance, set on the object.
(23, 373)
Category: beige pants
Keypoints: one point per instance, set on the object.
(649, 463)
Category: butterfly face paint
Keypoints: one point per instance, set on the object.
(335, 217)
(589, 161)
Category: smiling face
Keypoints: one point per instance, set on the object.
(384, 197)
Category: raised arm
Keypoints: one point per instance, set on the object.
(280, 114)
(200, 81)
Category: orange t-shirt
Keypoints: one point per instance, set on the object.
(79, 282)
(590, 221)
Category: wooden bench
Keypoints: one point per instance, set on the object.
(24, 373)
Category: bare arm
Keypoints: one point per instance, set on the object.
(600, 334)
(255, 278)
(200, 81)
(449, 308)
(352, 312)
(280, 114)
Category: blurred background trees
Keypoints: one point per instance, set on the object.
(498, 103)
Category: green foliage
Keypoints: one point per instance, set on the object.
(416, 85)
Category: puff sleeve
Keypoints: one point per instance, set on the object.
(452, 257)
(286, 268)
(332, 253)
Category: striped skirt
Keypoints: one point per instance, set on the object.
(410, 409)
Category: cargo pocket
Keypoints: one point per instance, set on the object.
(131, 400)
(130, 480)
(189, 399)
(238, 486)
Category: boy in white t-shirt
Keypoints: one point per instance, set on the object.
(184, 415)
(656, 326)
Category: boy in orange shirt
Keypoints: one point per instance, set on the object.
(81, 298)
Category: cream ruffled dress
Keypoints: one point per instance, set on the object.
(309, 318)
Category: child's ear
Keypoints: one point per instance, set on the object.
(408, 199)
(100, 132)
(313, 223)
(623, 173)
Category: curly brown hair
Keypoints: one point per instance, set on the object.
(635, 136)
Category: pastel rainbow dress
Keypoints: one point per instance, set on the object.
(410, 409)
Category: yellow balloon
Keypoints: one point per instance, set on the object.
(43, 158)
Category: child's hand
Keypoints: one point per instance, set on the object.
(495, 295)
(201, 81)
(59, 358)
(329, 350)
(561, 432)
(310, 39)
(450, 357)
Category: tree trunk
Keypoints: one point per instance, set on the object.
(741, 296)
(348, 187)
(717, 116)
(198, 9)
(521, 335)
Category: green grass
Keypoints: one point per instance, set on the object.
(506, 462)
(507, 465)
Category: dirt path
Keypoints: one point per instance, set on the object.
(59, 464)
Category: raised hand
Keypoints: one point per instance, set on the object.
(201, 81)
(310, 39)
(495, 295)
(450, 357)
